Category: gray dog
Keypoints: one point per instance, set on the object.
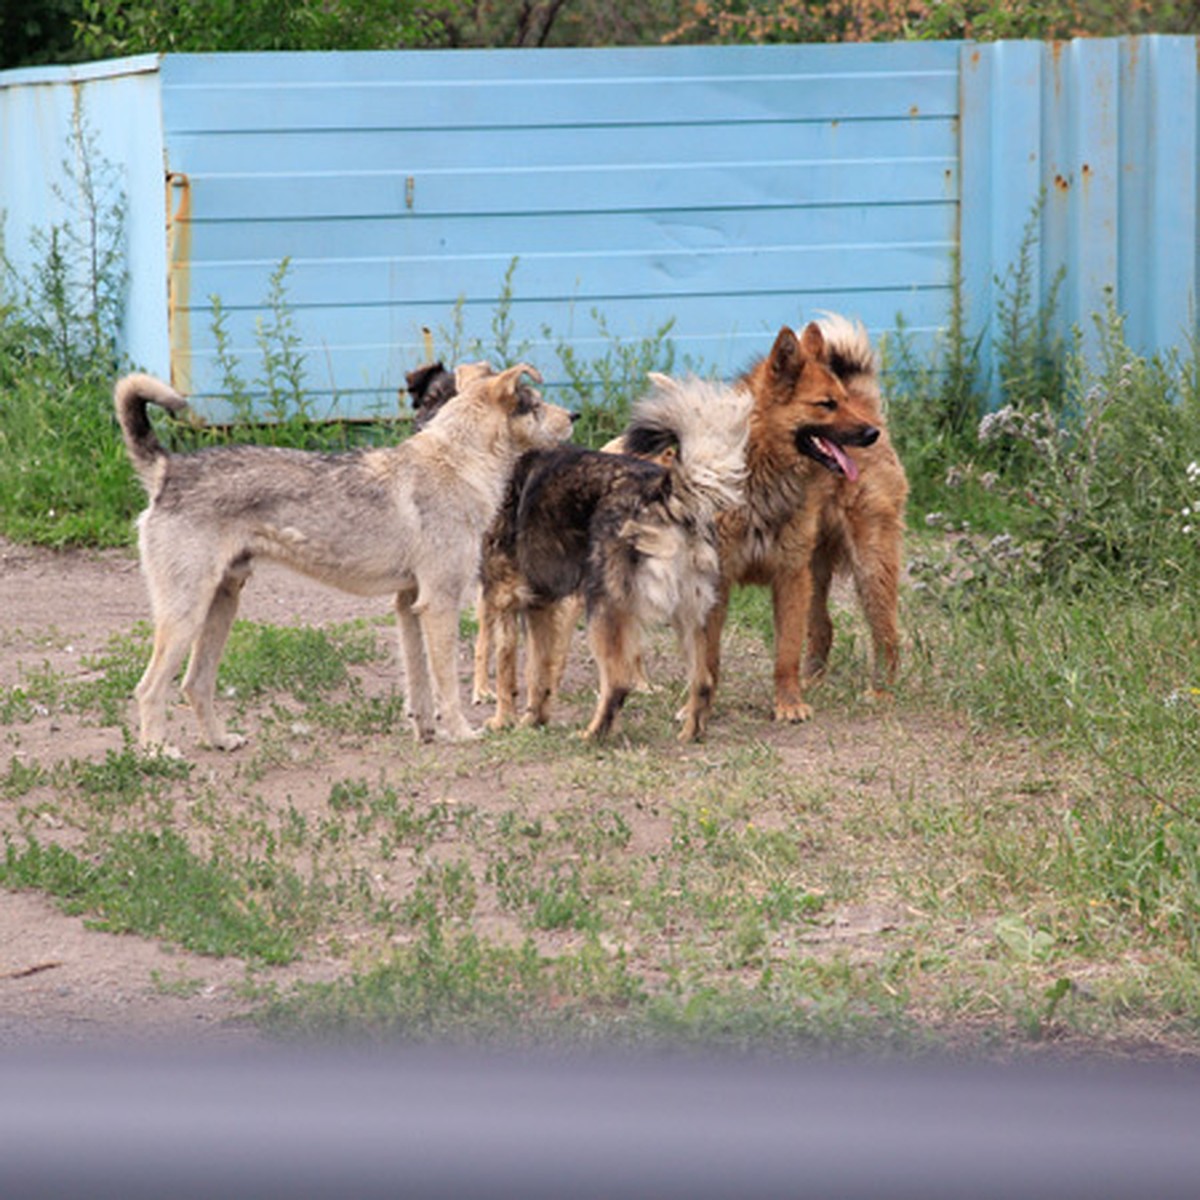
(405, 519)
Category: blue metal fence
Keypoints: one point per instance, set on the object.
(1097, 141)
(732, 189)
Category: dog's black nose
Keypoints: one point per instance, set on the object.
(575, 417)
(870, 436)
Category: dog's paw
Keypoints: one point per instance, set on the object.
(228, 741)
(793, 711)
(814, 671)
(162, 750)
(482, 695)
(458, 731)
(496, 722)
(423, 731)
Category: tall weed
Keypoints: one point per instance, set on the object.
(63, 474)
(600, 388)
(70, 308)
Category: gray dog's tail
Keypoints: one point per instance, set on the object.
(131, 396)
(707, 424)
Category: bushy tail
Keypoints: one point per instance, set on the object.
(707, 425)
(131, 396)
(851, 357)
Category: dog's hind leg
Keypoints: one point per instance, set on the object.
(200, 682)
(173, 635)
(170, 647)
(877, 567)
(700, 683)
(505, 623)
(418, 695)
(439, 628)
(714, 625)
(615, 645)
(566, 617)
(542, 660)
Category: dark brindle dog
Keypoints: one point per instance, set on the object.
(636, 539)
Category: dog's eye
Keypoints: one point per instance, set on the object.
(828, 404)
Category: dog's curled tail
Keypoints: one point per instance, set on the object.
(851, 356)
(707, 423)
(131, 395)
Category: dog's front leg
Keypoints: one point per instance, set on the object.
(792, 594)
(439, 626)
(486, 616)
(820, 627)
(418, 693)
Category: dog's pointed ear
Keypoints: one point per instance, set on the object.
(508, 383)
(418, 379)
(664, 382)
(812, 342)
(785, 358)
(466, 373)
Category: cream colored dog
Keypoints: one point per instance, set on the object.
(405, 519)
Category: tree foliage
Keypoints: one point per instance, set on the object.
(762, 21)
(38, 31)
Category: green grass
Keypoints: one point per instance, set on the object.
(152, 884)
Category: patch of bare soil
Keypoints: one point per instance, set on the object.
(59, 980)
(62, 981)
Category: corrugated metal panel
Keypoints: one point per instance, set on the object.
(733, 189)
(119, 104)
(1105, 130)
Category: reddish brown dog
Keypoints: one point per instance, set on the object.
(824, 491)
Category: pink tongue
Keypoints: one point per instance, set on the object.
(839, 456)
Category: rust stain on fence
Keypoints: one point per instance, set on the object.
(179, 278)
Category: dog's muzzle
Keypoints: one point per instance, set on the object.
(828, 450)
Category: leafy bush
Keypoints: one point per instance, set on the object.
(1098, 487)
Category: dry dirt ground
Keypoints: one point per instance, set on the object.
(60, 981)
